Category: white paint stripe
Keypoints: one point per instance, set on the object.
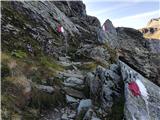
(142, 89)
(62, 29)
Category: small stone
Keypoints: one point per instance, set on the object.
(74, 93)
(71, 99)
(56, 110)
(84, 104)
(95, 118)
(73, 82)
(65, 74)
(64, 117)
(72, 115)
(88, 114)
(44, 88)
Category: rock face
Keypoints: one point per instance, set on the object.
(110, 33)
(136, 51)
(154, 23)
(99, 53)
(140, 107)
(40, 20)
(105, 85)
(143, 55)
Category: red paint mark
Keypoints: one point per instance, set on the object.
(59, 29)
(133, 87)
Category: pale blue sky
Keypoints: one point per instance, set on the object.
(126, 13)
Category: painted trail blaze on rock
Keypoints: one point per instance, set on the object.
(133, 87)
(105, 27)
(142, 88)
(60, 29)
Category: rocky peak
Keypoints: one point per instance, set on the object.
(155, 23)
(72, 9)
(152, 30)
(108, 26)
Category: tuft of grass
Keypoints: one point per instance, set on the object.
(19, 54)
(31, 114)
(11, 112)
(50, 63)
(112, 52)
(88, 66)
(7, 106)
(20, 81)
(45, 100)
(5, 71)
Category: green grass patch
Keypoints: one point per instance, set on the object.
(19, 54)
(48, 62)
(112, 52)
(5, 71)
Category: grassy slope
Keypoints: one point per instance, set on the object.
(16, 74)
(19, 66)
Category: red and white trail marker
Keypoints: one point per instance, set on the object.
(137, 88)
(60, 29)
(134, 88)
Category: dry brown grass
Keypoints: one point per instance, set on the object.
(156, 35)
(19, 80)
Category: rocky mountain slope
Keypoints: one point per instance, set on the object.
(74, 75)
(143, 55)
(152, 30)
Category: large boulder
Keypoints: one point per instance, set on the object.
(110, 33)
(47, 89)
(104, 86)
(84, 104)
(97, 53)
(73, 82)
(146, 106)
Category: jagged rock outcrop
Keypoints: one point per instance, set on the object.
(110, 34)
(105, 87)
(39, 21)
(136, 51)
(97, 53)
(154, 23)
(141, 54)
